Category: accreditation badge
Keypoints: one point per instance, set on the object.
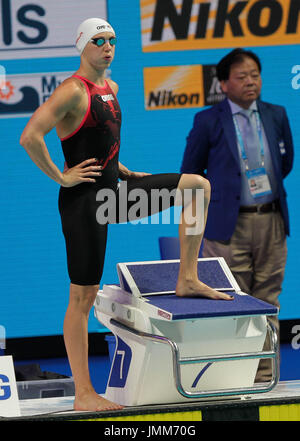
(258, 182)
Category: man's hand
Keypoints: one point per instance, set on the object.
(81, 173)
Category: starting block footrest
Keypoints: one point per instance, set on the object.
(273, 354)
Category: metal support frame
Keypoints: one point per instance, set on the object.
(273, 354)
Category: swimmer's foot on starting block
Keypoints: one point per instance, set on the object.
(93, 402)
(195, 288)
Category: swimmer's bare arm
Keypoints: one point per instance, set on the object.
(64, 100)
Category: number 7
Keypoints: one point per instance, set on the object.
(122, 354)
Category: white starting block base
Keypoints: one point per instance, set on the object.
(174, 350)
(150, 379)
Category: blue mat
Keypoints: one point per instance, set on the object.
(162, 277)
(191, 307)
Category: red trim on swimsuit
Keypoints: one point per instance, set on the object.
(86, 113)
(84, 80)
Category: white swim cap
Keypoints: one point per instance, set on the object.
(88, 28)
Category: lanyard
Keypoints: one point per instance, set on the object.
(241, 141)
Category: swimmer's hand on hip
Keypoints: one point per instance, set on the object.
(81, 173)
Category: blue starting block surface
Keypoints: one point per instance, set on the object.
(183, 308)
(160, 277)
(156, 282)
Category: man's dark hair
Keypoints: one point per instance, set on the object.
(234, 57)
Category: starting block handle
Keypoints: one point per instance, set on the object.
(177, 361)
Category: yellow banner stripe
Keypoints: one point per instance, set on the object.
(170, 416)
(284, 412)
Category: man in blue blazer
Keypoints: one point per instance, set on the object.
(244, 147)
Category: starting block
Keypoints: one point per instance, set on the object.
(173, 349)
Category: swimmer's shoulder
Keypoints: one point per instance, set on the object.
(72, 90)
(113, 85)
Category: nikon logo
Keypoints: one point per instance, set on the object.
(173, 87)
(167, 98)
(190, 24)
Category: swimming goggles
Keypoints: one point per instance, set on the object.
(101, 41)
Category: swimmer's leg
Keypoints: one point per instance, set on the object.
(191, 231)
(76, 341)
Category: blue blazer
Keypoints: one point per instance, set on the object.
(212, 151)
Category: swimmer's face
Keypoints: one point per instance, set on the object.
(101, 49)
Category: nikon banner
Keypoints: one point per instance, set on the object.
(173, 87)
(171, 25)
(178, 87)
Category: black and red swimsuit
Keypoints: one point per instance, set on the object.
(98, 136)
